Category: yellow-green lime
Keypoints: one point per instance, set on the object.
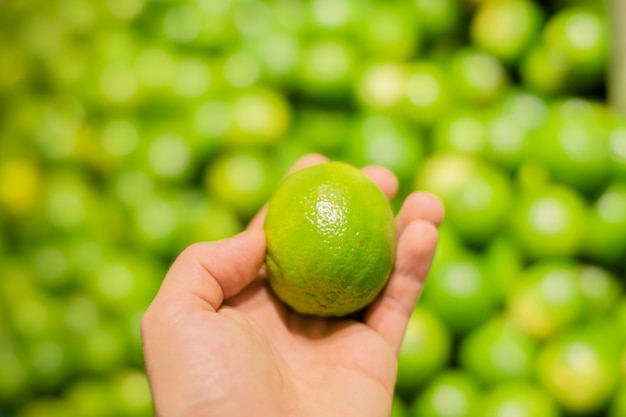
(330, 240)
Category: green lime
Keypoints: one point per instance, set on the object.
(503, 261)
(606, 234)
(461, 130)
(506, 28)
(241, 180)
(543, 70)
(439, 18)
(459, 292)
(385, 141)
(450, 394)
(323, 130)
(573, 144)
(427, 92)
(477, 195)
(90, 397)
(258, 116)
(546, 298)
(550, 221)
(206, 219)
(327, 67)
(131, 393)
(330, 240)
(511, 125)
(380, 85)
(389, 30)
(519, 399)
(600, 288)
(498, 351)
(477, 77)
(578, 368)
(425, 350)
(581, 36)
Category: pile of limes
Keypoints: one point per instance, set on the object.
(131, 128)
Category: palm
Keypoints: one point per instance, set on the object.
(305, 352)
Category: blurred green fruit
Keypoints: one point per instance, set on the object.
(503, 261)
(20, 186)
(476, 195)
(459, 292)
(124, 281)
(380, 85)
(606, 233)
(510, 127)
(102, 347)
(549, 221)
(381, 140)
(439, 18)
(90, 397)
(546, 298)
(581, 36)
(498, 351)
(131, 394)
(258, 116)
(573, 145)
(571, 55)
(450, 394)
(519, 399)
(461, 130)
(506, 28)
(206, 220)
(327, 68)
(601, 290)
(241, 180)
(425, 350)
(321, 130)
(390, 30)
(578, 368)
(477, 77)
(427, 93)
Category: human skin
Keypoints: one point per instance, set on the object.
(217, 342)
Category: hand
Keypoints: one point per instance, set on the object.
(217, 342)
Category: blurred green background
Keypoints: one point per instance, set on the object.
(132, 128)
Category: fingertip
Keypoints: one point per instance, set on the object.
(384, 178)
(433, 205)
(308, 160)
(420, 205)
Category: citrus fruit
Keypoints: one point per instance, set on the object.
(460, 293)
(578, 368)
(477, 195)
(520, 399)
(330, 240)
(426, 349)
(452, 393)
(546, 297)
(506, 28)
(497, 352)
(550, 222)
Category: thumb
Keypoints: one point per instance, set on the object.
(207, 273)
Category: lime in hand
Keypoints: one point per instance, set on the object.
(330, 240)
